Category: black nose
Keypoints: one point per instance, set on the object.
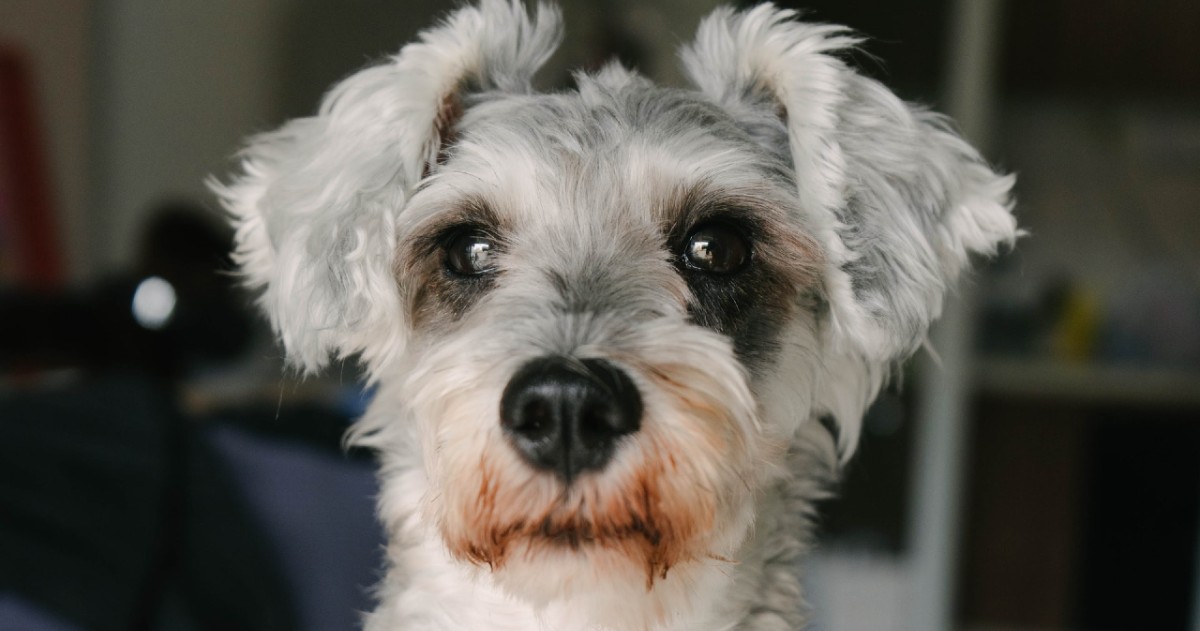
(565, 415)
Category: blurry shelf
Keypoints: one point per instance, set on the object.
(1090, 383)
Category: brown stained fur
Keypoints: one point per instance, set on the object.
(640, 520)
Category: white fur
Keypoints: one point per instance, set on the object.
(868, 211)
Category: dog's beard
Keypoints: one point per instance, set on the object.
(678, 491)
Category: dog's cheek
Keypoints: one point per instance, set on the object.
(436, 298)
(754, 306)
(751, 323)
(751, 309)
(477, 479)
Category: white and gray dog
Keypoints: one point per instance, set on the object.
(604, 322)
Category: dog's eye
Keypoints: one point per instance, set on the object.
(470, 254)
(717, 249)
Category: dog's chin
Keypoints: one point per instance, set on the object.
(608, 582)
(562, 565)
(637, 554)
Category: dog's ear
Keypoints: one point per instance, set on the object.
(316, 203)
(898, 200)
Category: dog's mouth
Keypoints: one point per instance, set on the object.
(650, 545)
(576, 534)
(569, 535)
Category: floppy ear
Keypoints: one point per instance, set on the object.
(899, 201)
(316, 203)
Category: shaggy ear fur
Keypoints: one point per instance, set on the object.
(901, 201)
(317, 200)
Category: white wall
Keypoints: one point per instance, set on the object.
(177, 84)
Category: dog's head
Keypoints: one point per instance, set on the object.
(605, 313)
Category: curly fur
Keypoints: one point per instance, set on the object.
(862, 210)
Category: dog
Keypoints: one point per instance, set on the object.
(623, 335)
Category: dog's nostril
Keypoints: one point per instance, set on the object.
(534, 420)
(566, 415)
(599, 421)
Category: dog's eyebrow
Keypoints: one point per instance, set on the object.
(761, 217)
(686, 208)
(471, 211)
(430, 234)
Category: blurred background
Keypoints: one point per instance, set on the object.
(158, 470)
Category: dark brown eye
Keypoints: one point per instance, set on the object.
(470, 254)
(717, 249)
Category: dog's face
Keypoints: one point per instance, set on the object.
(601, 316)
(594, 281)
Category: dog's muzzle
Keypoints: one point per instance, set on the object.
(566, 415)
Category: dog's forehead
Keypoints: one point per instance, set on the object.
(601, 151)
(599, 120)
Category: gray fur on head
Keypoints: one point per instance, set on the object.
(855, 213)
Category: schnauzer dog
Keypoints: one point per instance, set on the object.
(623, 335)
